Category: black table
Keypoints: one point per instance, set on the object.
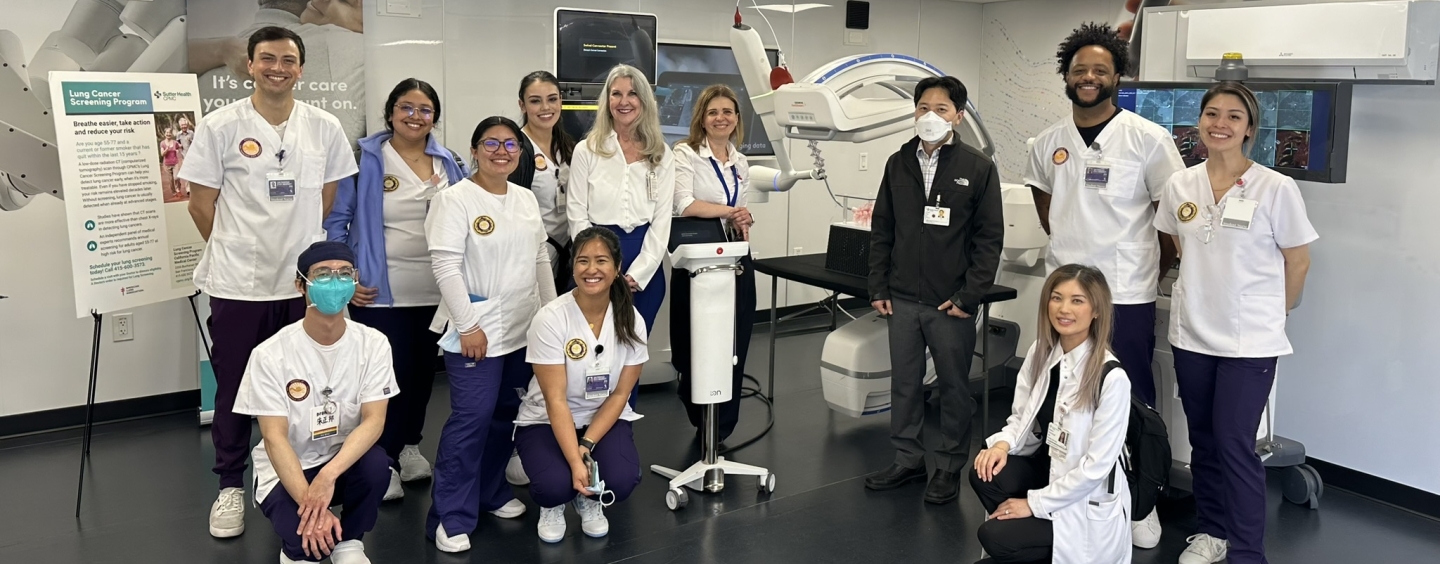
(810, 270)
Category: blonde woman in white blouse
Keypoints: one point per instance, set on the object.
(711, 179)
(623, 178)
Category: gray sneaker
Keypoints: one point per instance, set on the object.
(227, 514)
(1204, 549)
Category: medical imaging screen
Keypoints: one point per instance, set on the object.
(1294, 129)
(684, 71)
(589, 44)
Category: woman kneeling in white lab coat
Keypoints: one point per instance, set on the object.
(1049, 480)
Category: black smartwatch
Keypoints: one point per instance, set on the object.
(587, 443)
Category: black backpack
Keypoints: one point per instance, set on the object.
(1146, 456)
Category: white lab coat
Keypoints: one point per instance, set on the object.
(1092, 524)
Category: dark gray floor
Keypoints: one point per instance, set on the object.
(149, 489)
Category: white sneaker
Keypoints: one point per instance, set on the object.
(413, 465)
(286, 559)
(227, 514)
(552, 523)
(446, 543)
(592, 516)
(512, 509)
(1204, 549)
(349, 552)
(1145, 533)
(394, 492)
(515, 471)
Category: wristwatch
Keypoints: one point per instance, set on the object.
(587, 443)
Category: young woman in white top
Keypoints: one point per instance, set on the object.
(711, 179)
(623, 179)
(380, 214)
(1049, 480)
(487, 245)
(545, 163)
(587, 347)
(1244, 239)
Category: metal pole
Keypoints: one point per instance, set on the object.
(89, 410)
(774, 328)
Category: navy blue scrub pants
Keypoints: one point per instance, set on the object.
(647, 301)
(1133, 340)
(551, 482)
(475, 444)
(358, 491)
(1223, 400)
(236, 328)
(412, 351)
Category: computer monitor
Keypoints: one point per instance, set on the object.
(589, 43)
(1304, 128)
(684, 70)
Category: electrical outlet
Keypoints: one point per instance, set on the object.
(124, 327)
(798, 251)
(864, 162)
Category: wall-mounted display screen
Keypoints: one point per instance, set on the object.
(684, 71)
(588, 44)
(1304, 127)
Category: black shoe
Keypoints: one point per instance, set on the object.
(893, 477)
(943, 488)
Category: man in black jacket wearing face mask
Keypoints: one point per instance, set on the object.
(936, 234)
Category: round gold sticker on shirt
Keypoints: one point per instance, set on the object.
(1187, 212)
(575, 349)
(391, 183)
(1060, 156)
(484, 225)
(540, 163)
(297, 389)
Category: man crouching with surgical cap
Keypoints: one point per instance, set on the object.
(319, 388)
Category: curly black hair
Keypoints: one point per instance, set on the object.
(1101, 35)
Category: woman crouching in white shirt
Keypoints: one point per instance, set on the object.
(1049, 480)
(587, 347)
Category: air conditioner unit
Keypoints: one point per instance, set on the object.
(1378, 41)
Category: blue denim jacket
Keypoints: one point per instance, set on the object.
(357, 219)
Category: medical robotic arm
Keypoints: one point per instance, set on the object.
(98, 35)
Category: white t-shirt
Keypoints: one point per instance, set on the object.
(696, 179)
(260, 231)
(502, 239)
(1108, 228)
(1230, 298)
(549, 188)
(560, 335)
(607, 191)
(407, 200)
(287, 377)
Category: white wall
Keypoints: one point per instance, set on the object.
(475, 53)
(44, 350)
(1361, 388)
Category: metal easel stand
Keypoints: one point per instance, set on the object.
(89, 410)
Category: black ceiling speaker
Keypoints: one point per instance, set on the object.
(857, 15)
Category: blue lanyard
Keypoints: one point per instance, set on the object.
(730, 197)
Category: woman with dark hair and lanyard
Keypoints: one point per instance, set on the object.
(1245, 241)
(380, 213)
(623, 179)
(573, 430)
(487, 248)
(711, 180)
(545, 163)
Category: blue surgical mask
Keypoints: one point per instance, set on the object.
(329, 294)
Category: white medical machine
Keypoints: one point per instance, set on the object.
(712, 267)
(99, 35)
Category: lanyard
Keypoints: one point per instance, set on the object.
(730, 198)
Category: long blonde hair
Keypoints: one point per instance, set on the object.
(647, 131)
(702, 107)
(1092, 283)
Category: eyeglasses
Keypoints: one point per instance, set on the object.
(409, 111)
(493, 145)
(323, 274)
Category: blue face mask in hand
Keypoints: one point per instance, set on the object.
(330, 293)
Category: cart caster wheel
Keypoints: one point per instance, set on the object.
(766, 483)
(676, 499)
(1303, 486)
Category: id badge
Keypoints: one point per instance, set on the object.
(650, 184)
(1058, 439)
(1097, 175)
(936, 215)
(281, 186)
(324, 421)
(1238, 213)
(597, 381)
